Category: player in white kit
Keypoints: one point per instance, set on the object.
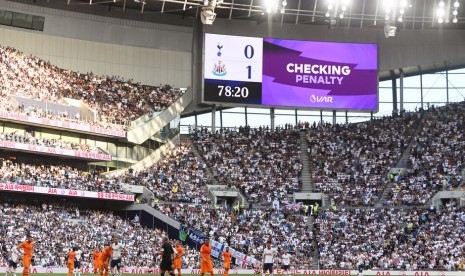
(77, 262)
(268, 259)
(13, 259)
(116, 255)
(286, 261)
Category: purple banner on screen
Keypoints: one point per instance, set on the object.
(323, 75)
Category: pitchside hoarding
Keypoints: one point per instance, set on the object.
(290, 73)
(156, 271)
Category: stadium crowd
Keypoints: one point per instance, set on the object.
(416, 239)
(179, 176)
(350, 162)
(263, 164)
(248, 230)
(29, 138)
(55, 176)
(436, 159)
(57, 228)
(115, 100)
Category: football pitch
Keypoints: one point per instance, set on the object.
(62, 274)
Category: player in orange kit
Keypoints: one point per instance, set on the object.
(205, 258)
(71, 258)
(226, 261)
(96, 260)
(27, 250)
(106, 255)
(177, 264)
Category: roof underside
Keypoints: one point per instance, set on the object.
(419, 14)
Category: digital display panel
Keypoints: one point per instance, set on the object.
(290, 73)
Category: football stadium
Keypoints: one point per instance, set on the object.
(232, 137)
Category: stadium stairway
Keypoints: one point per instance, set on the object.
(315, 258)
(402, 163)
(384, 196)
(462, 182)
(146, 127)
(307, 185)
(185, 138)
(193, 147)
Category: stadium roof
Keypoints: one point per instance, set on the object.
(418, 14)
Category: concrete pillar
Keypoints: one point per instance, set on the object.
(401, 100)
(221, 119)
(213, 119)
(447, 85)
(421, 89)
(394, 95)
(296, 118)
(272, 118)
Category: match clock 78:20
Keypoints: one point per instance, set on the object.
(232, 69)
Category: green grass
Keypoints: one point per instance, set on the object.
(185, 274)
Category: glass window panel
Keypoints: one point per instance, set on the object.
(456, 80)
(456, 94)
(385, 84)
(284, 111)
(309, 118)
(412, 95)
(411, 106)
(340, 119)
(38, 23)
(435, 95)
(233, 120)
(328, 119)
(22, 20)
(255, 120)
(328, 113)
(412, 82)
(185, 123)
(385, 95)
(235, 109)
(258, 110)
(457, 71)
(309, 112)
(281, 120)
(385, 109)
(358, 119)
(217, 119)
(434, 80)
(204, 120)
(5, 17)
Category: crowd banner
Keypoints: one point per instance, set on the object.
(81, 126)
(147, 270)
(64, 192)
(55, 151)
(196, 236)
(217, 247)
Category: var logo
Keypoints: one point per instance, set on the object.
(321, 99)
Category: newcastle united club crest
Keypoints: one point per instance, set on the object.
(219, 69)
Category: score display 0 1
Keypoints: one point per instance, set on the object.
(290, 73)
(233, 69)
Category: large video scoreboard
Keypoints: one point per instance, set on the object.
(290, 73)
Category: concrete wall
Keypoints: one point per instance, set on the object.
(157, 53)
(146, 52)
